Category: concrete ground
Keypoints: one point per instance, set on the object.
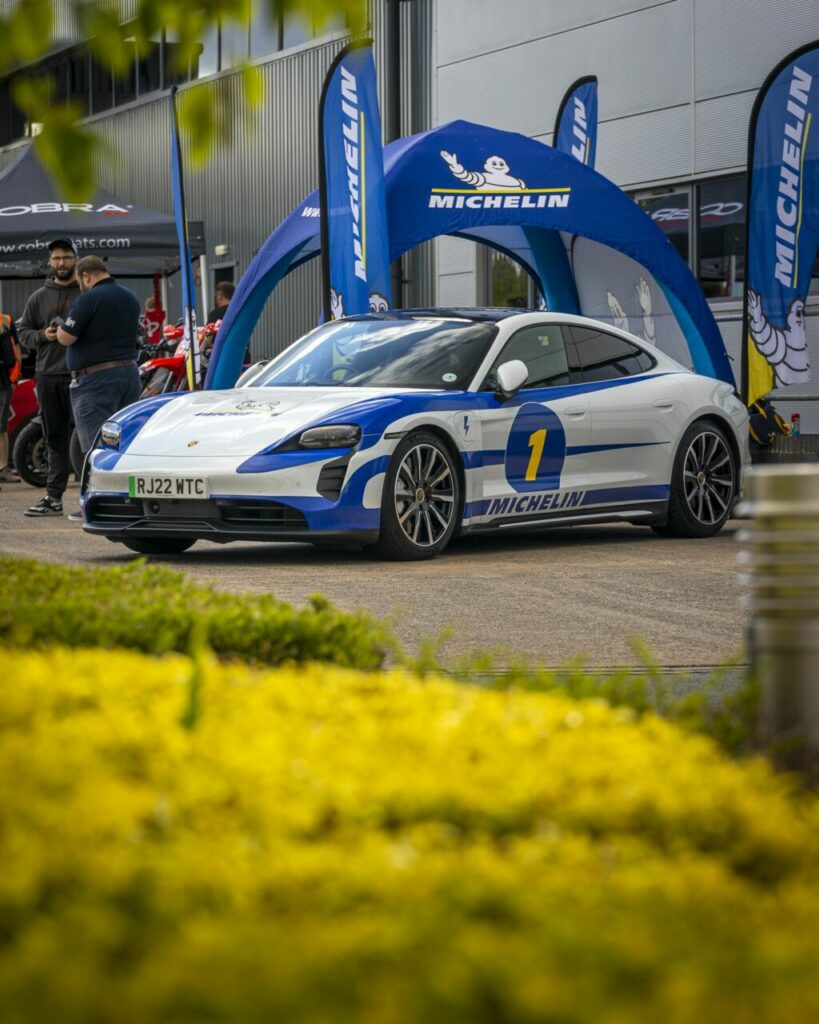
(551, 595)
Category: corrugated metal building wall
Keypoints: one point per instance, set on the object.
(677, 80)
(247, 188)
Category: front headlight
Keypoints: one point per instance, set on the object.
(111, 433)
(343, 435)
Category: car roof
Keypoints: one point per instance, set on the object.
(484, 314)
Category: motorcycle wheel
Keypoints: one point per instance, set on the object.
(29, 455)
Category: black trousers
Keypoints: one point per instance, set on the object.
(58, 422)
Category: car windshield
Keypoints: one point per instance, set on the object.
(410, 352)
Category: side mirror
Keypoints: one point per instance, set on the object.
(510, 377)
(251, 372)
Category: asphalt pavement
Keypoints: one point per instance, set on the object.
(551, 596)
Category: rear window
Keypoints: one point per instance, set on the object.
(603, 356)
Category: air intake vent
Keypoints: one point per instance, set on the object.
(263, 513)
(114, 508)
(331, 478)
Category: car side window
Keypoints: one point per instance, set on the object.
(541, 347)
(604, 356)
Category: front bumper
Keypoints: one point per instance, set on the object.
(220, 519)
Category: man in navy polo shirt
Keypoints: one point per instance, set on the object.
(100, 331)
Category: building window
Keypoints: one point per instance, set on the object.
(12, 120)
(149, 70)
(102, 88)
(509, 284)
(235, 45)
(670, 209)
(265, 32)
(713, 244)
(721, 237)
(72, 81)
(300, 28)
(125, 84)
(173, 73)
(207, 61)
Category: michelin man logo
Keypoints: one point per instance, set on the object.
(336, 304)
(620, 317)
(378, 303)
(618, 314)
(785, 348)
(494, 177)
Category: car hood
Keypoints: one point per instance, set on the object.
(244, 421)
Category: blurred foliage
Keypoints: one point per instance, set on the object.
(151, 609)
(28, 32)
(185, 841)
(723, 704)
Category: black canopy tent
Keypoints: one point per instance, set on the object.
(134, 240)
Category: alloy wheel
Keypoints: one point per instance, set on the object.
(708, 478)
(424, 495)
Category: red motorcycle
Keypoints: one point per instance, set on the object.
(26, 440)
(169, 373)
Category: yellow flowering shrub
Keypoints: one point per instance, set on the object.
(189, 842)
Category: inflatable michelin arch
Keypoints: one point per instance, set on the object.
(591, 248)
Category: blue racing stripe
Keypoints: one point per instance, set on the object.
(584, 449)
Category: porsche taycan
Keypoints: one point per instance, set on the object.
(401, 430)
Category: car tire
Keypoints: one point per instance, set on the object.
(421, 504)
(703, 483)
(29, 454)
(159, 545)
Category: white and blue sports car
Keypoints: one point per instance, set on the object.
(402, 429)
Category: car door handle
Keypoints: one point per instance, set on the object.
(663, 403)
(575, 414)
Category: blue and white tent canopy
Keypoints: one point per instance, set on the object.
(590, 247)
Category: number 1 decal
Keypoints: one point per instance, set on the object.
(535, 449)
(536, 443)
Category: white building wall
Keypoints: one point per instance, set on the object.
(677, 80)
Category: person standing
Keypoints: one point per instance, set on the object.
(222, 294)
(37, 331)
(100, 335)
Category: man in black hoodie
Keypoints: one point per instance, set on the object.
(37, 331)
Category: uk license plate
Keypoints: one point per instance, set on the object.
(168, 487)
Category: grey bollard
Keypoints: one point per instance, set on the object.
(780, 563)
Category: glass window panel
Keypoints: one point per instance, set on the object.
(297, 28)
(264, 32)
(605, 357)
(102, 91)
(508, 283)
(542, 349)
(671, 213)
(173, 74)
(234, 44)
(12, 121)
(207, 60)
(149, 70)
(324, 27)
(71, 81)
(125, 84)
(385, 352)
(721, 236)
